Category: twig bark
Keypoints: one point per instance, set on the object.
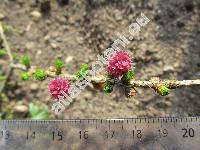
(7, 48)
(172, 84)
(5, 42)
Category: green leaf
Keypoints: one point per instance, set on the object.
(2, 78)
(18, 31)
(38, 111)
(6, 28)
(15, 57)
(2, 53)
(33, 109)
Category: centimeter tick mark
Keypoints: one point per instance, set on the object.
(134, 124)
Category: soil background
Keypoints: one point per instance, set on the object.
(78, 30)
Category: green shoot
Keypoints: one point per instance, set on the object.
(108, 88)
(129, 75)
(2, 52)
(163, 90)
(83, 71)
(25, 60)
(25, 76)
(59, 64)
(2, 77)
(40, 74)
(6, 28)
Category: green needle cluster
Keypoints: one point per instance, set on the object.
(163, 90)
(40, 74)
(129, 75)
(25, 76)
(108, 88)
(59, 64)
(83, 71)
(25, 60)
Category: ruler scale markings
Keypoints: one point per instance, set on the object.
(185, 131)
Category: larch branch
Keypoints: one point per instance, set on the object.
(172, 84)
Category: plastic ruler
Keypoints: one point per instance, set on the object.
(171, 133)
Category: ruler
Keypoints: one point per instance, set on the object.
(171, 133)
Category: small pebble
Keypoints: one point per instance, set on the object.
(54, 45)
(36, 15)
(21, 108)
(39, 52)
(168, 68)
(52, 69)
(69, 59)
(34, 86)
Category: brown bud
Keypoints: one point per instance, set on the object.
(130, 91)
(52, 69)
(98, 86)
